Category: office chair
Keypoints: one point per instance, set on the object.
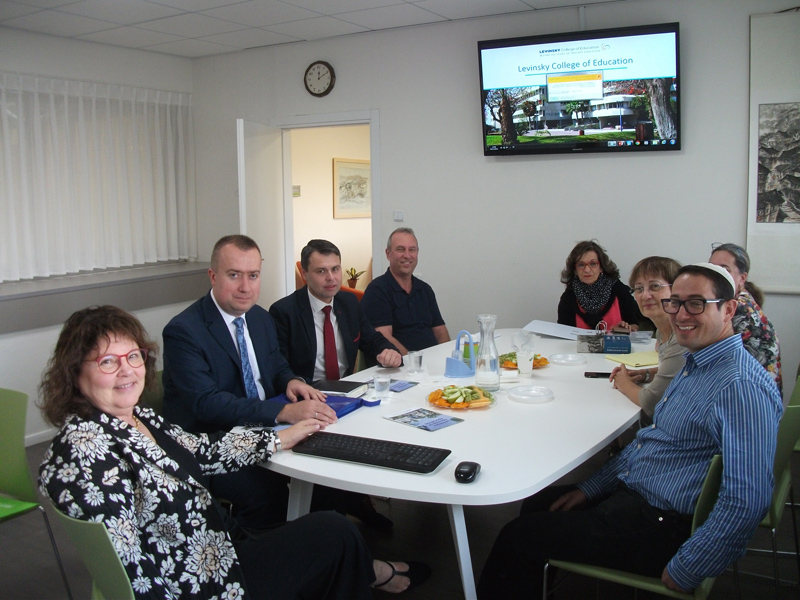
(788, 434)
(109, 578)
(705, 503)
(17, 493)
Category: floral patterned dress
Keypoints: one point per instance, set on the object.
(166, 528)
(758, 335)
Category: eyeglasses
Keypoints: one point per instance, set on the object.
(693, 306)
(111, 363)
(592, 264)
(653, 288)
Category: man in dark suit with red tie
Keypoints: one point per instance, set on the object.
(303, 317)
(320, 330)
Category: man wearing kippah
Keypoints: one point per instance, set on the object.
(635, 513)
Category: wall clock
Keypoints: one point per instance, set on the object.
(319, 78)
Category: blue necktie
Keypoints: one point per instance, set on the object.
(247, 371)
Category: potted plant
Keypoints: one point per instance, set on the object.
(352, 276)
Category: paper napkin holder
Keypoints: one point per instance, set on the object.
(454, 366)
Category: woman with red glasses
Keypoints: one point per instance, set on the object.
(594, 292)
(120, 463)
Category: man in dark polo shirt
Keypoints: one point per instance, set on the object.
(400, 306)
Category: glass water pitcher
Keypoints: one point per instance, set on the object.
(487, 364)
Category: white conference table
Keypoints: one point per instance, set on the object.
(522, 448)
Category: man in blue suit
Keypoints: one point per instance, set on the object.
(209, 387)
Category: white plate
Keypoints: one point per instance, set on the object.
(531, 394)
(568, 360)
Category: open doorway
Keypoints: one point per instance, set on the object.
(312, 216)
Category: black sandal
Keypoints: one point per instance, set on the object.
(417, 573)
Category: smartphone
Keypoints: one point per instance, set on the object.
(596, 375)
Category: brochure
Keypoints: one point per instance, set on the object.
(422, 418)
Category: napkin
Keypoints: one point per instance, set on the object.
(636, 359)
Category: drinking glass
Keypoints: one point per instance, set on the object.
(525, 362)
(382, 383)
(414, 358)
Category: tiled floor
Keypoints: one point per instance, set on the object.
(28, 569)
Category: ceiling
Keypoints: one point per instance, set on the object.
(195, 28)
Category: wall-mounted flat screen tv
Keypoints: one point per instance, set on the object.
(608, 90)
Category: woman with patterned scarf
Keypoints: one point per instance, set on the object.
(594, 292)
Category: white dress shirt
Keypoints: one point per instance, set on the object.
(319, 323)
(251, 353)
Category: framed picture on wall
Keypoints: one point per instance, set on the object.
(352, 188)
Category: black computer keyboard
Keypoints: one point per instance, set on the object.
(369, 451)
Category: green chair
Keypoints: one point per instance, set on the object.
(109, 578)
(705, 503)
(788, 434)
(17, 493)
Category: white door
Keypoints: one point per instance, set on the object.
(261, 193)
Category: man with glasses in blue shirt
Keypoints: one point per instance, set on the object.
(635, 513)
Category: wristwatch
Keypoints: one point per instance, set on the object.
(276, 441)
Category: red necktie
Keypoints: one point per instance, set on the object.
(331, 360)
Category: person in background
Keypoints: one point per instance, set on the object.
(635, 513)
(301, 320)
(123, 465)
(223, 368)
(757, 331)
(399, 305)
(651, 280)
(594, 292)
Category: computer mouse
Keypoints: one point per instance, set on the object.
(467, 471)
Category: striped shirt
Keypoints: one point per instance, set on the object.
(721, 402)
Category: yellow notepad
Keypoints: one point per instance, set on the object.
(636, 359)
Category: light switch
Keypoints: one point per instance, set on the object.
(399, 216)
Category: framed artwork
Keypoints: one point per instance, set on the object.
(778, 187)
(773, 199)
(352, 188)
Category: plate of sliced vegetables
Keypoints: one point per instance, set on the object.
(461, 398)
(509, 361)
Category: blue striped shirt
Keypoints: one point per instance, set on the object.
(722, 402)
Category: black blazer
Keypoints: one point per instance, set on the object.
(203, 382)
(298, 341)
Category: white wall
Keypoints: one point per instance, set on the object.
(494, 232)
(32, 53)
(313, 151)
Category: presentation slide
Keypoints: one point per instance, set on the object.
(579, 68)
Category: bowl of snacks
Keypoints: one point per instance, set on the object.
(455, 397)
(509, 361)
